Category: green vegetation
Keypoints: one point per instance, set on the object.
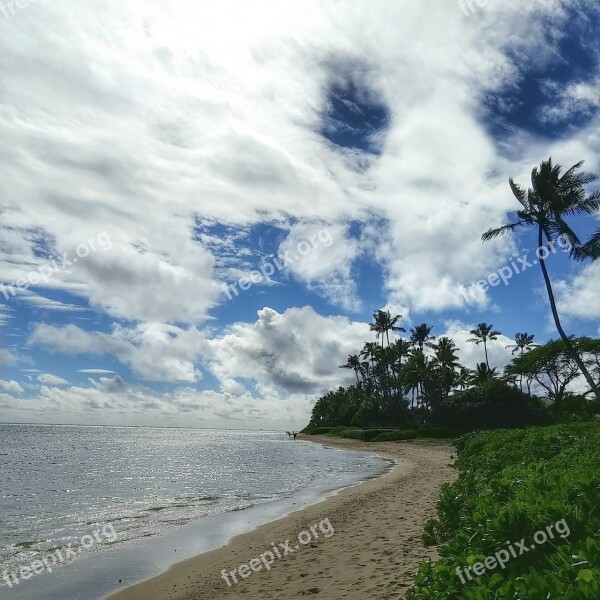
(417, 384)
(513, 484)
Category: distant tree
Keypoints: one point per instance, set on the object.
(551, 365)
(383, 323)
(482, 374)
(420, 335)
(553, 196)
(481, 335)
(445, 363)
(354, 363)
(523, 342)
(463, 378)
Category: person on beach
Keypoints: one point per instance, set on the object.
(294, 434)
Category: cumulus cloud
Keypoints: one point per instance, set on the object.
(294, 352)
(11, 387)
(578, 297)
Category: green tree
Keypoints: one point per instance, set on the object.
(383, 323)
(420, 335)
(551, 365)
(445, 362)
(554, 195)
(482, 335)
(523, 342)
(354, 363)
(482, 374)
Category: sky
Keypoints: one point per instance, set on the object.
(203, 203)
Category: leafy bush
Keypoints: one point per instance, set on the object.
(491, 405)
(576, 408)
(319, 430)
(354, 434)
(340, 430)
(513, 484)
(394, 436)
(437, 433)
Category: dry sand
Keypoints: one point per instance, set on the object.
(373, 554)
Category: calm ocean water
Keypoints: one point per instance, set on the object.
(59, 483)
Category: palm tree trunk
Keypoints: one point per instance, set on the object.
(486, 354)
(569, 346)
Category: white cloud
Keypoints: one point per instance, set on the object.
(12, 387)
(7, 358)
(294, 352)
(50, 379)
(141, 124)
(95, 371)
(153, 351)
(111, 401)
(579, 296)
(321, 255)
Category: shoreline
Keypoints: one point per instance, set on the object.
(374, 548)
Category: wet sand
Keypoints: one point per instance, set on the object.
(373, 551)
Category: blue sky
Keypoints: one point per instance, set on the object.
(155, 159)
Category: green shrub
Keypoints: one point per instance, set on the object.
(354, 434)
(491, 405)
(320, 430)
(399, 435)
(437, 433)
(340, 430)
(513, 484)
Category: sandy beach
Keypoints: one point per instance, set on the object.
(372, 549)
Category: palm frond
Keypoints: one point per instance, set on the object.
(490, 234)
(591, 248)
(519, 192)
(585, 207)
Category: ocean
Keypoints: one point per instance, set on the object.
(82, 504)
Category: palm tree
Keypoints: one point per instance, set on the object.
(481, 335)
(482, 373)
(353, 363)
(383, 323)
(416, 373)
(544, 205)
(446, 361)
(463, 377)
(420, 335)
(523, 342)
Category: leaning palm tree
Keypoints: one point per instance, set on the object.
(383, 323)
(551, 198)
(482, 335)
(354, 363)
